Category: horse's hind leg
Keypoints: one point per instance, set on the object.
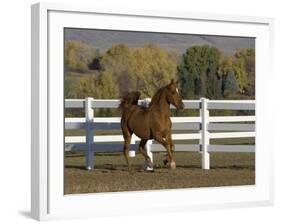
(144, 153)
(127, 141)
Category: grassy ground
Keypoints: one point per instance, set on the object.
(111, 174)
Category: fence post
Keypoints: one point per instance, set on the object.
(204, 141)
(89, 115)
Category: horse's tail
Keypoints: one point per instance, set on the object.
(129, 99)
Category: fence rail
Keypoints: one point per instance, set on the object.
(206, 127)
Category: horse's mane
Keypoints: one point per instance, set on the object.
(156, 98)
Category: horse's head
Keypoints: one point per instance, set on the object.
(174, 96)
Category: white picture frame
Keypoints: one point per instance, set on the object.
(48, 201)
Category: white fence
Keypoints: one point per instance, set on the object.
(205, 127)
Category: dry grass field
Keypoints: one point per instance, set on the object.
(111, 174)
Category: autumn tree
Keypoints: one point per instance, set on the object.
(242, 65)
(154, 68)
(101, 86)
(144, 69)
(118, 61)
(108, 86)
(88, 86)
(78, 56)
(246, 56)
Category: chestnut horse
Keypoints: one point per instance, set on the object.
(150, 123)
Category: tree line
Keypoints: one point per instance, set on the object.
(203, 71)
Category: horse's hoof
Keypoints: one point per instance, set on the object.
(165, 161)
(173, 165)
(149, 169)
(148, 166)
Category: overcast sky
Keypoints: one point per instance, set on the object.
(104, 39)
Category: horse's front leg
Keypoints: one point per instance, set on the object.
(172, 146)
(164, 141)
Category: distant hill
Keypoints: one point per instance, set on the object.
(177, 42)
